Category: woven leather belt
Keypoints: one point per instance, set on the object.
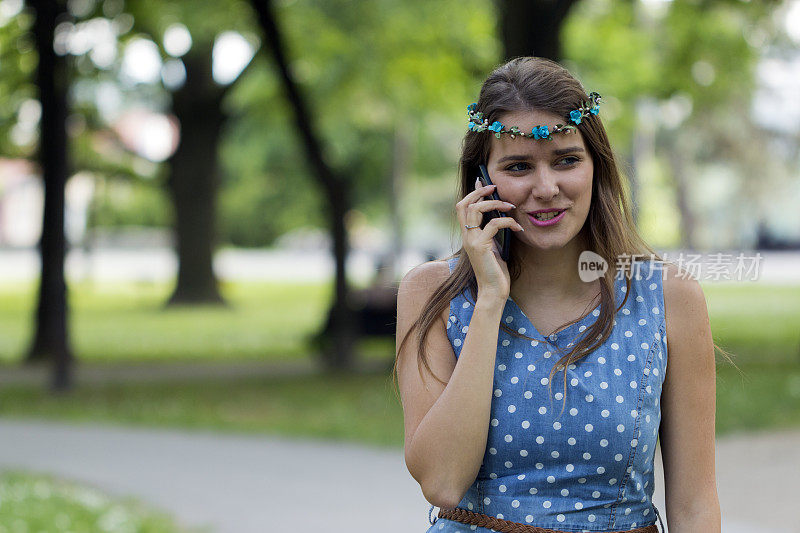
(507, 526)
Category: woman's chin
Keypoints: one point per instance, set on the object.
(543, 243)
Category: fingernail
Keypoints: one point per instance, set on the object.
(512, 205)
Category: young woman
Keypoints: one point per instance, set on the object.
(484, 437)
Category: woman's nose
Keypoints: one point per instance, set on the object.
(544, 188)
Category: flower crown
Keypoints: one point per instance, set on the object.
(478, 123)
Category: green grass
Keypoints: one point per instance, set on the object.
(757, 324)
(357, 408)
(760, 398)
(127, 322)
(360, 407)
(43, 504)
(760, 324)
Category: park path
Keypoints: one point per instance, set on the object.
(244, 484)
(313, 262)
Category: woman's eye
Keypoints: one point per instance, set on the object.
(516, 167)
(522, 166)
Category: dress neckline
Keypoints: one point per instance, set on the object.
(528, 325)
(593, 314)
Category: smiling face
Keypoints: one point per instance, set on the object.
(535, 174)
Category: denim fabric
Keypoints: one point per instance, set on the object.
(589, 468)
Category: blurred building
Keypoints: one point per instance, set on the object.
(22, 200)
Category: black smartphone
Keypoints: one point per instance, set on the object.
(503, 235)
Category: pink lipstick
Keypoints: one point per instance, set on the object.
(549, 221)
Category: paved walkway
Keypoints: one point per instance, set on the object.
(244, 484)
(315, 263)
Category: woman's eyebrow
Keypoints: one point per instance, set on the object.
(562, 151)
(523, 157)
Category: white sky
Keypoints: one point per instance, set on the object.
(776, 103)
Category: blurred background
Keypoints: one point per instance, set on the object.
(206, 207)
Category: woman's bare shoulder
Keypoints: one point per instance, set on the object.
(685, 306)
(427, 275)
(421, 282)
(678, 284)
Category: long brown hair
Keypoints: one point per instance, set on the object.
(534, 83)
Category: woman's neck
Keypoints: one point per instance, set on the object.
(549, 275)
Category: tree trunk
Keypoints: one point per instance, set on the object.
(194, 179)
(642, 149)
(680, 181)
(532, 28)
(340, 356)
(50, 341)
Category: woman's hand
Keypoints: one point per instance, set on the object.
(490, 270)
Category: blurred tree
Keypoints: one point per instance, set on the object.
(50, 337)
(709, 63)
(194, 177)
(533, 28)
(691, 63)
(377, 72)
(340, 354)
(424, 60)
(101, 77)
(197, 103)
(415, 78)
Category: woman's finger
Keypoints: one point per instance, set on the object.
(496, 224)
(477, 193)
(488, 205)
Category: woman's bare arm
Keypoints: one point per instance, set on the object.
(688, 410)
(446, 427)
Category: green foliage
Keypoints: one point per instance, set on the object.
(613, 55)
(253, 213)
(205, 20)
(376, 72)
(266, 188)
(368, 69)
(623, 52)
(121, 203)
(696, 55)
(17, 63)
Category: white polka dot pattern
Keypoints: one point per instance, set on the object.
(585, 463)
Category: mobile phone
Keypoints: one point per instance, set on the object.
(503, 235)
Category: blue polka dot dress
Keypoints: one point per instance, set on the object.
(590, 467)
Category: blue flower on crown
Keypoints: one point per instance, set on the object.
(472, 107)
(575, 116)
(496, 126)
(540, 132)
(594, 110)
(471, 125)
